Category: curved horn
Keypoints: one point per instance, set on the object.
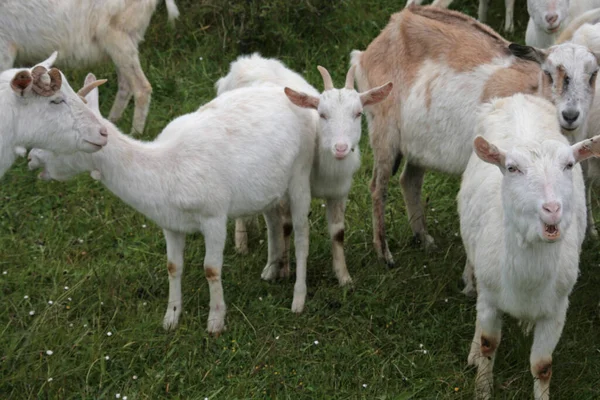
(84, 91)
(327, 82)
(350, 78)
(46, 83)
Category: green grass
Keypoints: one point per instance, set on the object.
(104, 266)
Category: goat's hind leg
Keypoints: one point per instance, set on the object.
(335, 221)
(509, 25)
(412, 184)
(122, 98)
(275, 261)
(175, 247)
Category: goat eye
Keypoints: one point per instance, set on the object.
(569, 166)
(323, 116)
(549, 75)
(358, 114)
(566, 81)
(57, 101)
(593, 77)
(512, 169)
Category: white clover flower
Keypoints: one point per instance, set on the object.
(50, 379)
(31, 312)
(49, 352)
(107, 358)
(5, 272)
(25, 297)
(118, 395)
(66, 288)
(50, 302)
(364, 385)
(108, 333)
(316, 342)
(143, 225)
(134, 377)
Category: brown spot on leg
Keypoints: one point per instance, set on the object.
(172, 268)
(211, 273)
(287, 229)
(488, 346)
(543, 370)
(339, 236)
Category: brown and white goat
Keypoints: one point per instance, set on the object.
(443, 65)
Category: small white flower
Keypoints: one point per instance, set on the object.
(421, 346)
(101, 303)
(433, 209)
(277, 338)
(316, 342)
(143, 225)
(124, 397)
(118, 395)
(108, 333)
(107, 358)
(50, 302)
(31, 312)
(144, 303)
(365, 385)
(260, 298)
(68, 298)
(66, 288)
(49, 352)
(446, 300)
(424, 351)
(70, 325)
(85, 325)
(5, 272)
(25, 297)
(261, 241)
(80, 240)
(134, 377)
(206, 398)
(50, 379)
(436, 221)
(424, 266)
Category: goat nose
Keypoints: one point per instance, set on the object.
(341, 147)
(570, 115)
(103, 131)
(551, 18)
(551, 207)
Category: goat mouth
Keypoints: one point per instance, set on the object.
(553, 29)
(551, 232)
(341, 156)
(96, 145)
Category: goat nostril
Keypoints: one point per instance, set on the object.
(570, 115)
(551, 18)
(103, 131)
(551, 208)
(341, 147)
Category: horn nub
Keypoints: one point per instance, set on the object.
(350, 78)
(84, 91)
(327, 82)
(46, 83)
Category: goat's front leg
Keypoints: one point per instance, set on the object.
(509, 25)
(215, 233)
(412, 184)
(589, 182)
(241, 236)
(175, 247)
(299, 195)
(545, 338)
(275, 261)
(122, 98)
(483, 10)
(335, 221)
(124, 52)
(488, 331)
(382, 171)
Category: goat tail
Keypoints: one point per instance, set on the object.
(172, 10)
(588, 17)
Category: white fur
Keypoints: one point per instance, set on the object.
(240, 154)
(437, 134)
(84, 33)
(34, 120)
(502, 208)
(339, 112)
(541, 33)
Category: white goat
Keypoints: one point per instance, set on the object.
(239, 154)
(85, 33)
(337, 154)
(444, 64)
(40, 109)
(522, 220)
(547, 19)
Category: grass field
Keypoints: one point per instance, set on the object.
(84, 284)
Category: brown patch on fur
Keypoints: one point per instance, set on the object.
(172, 268)
(339, 236)
(287, 229)
(428, 92)
(211, 273)
(560, 79)
(488, 346)
(521, 77)
(543, 370)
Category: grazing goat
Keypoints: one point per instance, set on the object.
(84, 33)
(444, 64)
(337, 155)
(547, 19)
(522, 220)
(190, 179)
(40, 109)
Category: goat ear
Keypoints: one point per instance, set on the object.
(92, 97)
(586, 149)
(488, 152)
(21, 82)
(528, 53)
(302, 99)
(376, 95)
(47, 63)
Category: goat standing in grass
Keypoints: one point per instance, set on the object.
(522, 220)
(84, 32)
(39, 108)
(337, 154)
(444, 64)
